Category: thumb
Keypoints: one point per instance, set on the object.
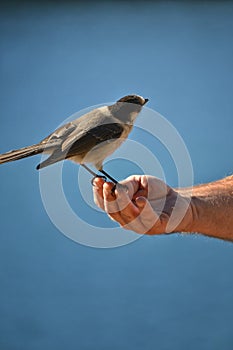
(140, 202)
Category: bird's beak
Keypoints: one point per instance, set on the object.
(146, 100)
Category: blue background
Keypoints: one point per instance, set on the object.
(171, 292)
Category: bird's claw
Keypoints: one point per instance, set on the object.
(119, 186)
(113, 189)
(101, 176)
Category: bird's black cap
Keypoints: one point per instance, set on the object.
(136, 99)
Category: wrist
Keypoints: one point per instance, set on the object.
(190, 219)
(194, 222)
(183, 213)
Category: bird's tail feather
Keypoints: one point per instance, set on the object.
(21, 153)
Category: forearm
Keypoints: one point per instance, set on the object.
(212, 208)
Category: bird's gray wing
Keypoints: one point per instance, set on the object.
(54, 142)
(80, 143)
(60, 134)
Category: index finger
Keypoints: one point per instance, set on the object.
(126, 207)
(132, 183)
(98, 192)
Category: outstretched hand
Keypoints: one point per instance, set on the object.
(143, 204)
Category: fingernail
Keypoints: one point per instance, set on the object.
(94, 184)
(107, 186)
(140, 201)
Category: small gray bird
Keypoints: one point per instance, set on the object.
(88, 139)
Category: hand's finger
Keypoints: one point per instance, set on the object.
(120, 208)
(110, 204)
(137, 186)
(98, 182)
(127, 208)
(98, 192)
(145, 221)
(140, 193)
(118, 204)
(132, 183)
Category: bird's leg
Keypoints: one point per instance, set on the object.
(88, 169)
(108, 176)
(93, 173)
(116, 183)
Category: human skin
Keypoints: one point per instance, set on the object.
(146, 205)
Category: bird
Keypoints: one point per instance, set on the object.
(88, 139)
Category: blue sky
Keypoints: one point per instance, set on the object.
(57, 60)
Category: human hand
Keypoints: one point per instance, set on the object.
(144, 204)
